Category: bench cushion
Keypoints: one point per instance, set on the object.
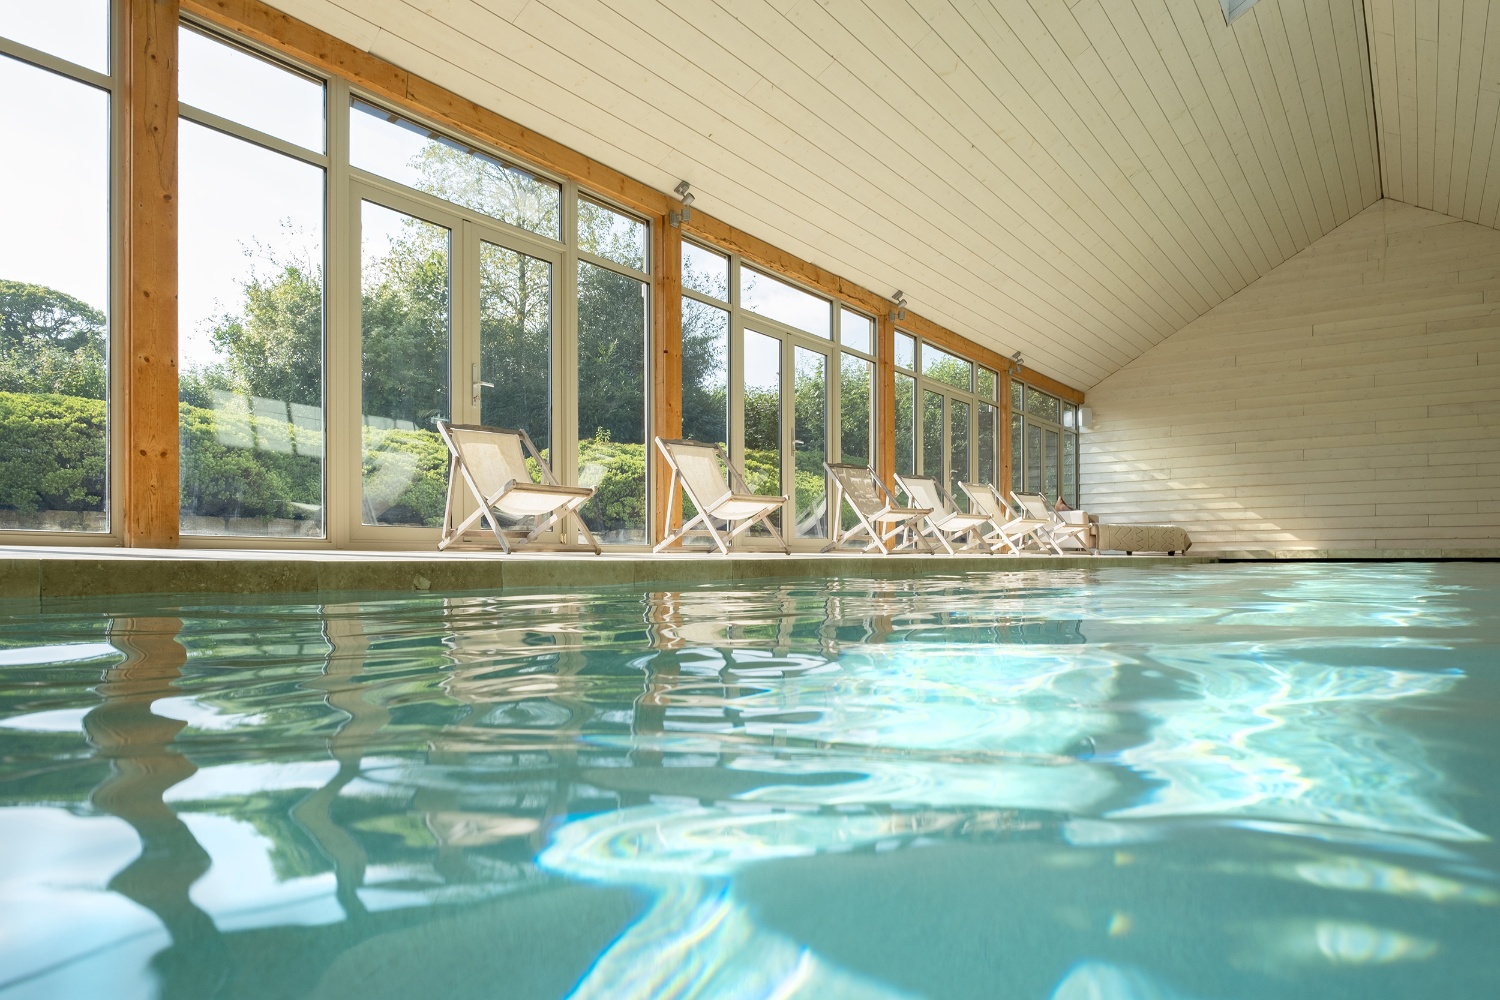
(1142, 538)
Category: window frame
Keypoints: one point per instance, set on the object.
(117, 296)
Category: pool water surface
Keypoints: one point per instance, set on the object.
(1196, 782)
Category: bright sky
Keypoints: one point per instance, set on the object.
(75, 30)
(242, 206)
(54, 184)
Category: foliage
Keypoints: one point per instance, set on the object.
(52, 452)
(223, 479)
(405, 475)
(617, 471)
(50, 342)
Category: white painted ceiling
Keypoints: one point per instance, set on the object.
(1437, 92)
(1074, 179)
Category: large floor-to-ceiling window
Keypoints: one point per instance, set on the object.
(1044, 444)
(779, 375)
(351, 275)
(55, 266)
(253, 181)
(947, 414)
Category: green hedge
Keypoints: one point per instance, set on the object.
(229, 480)
(52, 457)
(52, 452)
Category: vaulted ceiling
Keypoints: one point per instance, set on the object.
(1074, 179)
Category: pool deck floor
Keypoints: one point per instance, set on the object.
(40, 573)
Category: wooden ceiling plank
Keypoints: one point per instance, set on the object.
(1022, 179)
(1174, 130)
(1309, 145)
(1246, 155)
(1445, 100)
(1224, 177)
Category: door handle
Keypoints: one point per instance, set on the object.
(474, 389)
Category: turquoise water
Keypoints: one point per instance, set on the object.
(1195, 782)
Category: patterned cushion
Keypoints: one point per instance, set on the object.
(1143, 538)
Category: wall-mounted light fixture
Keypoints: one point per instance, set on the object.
(685, 194)
(898, 313)
(1016, 364)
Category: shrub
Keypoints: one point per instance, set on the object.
(410, 467)
(52, 452)
(220, 479)
(617, 471)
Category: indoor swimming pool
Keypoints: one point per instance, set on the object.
(1196, 782)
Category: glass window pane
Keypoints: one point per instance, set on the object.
(403, 151)
(1070, 470)
(906, 351)
(1039, 404)
(231, 83)
(1070, 416)
(54, 300)
(932, 434)
(985, 437)
(606, 233)
(1016, 391)
(810, 442)
(984, 383)
(75, 30)
(515, 344)
(250, 347)
(705, 271)
(762, 464)
(778, 300)
(856, 332)
(404, 342)
(1034, 463)
(705, 372)
(1053, 460)
(906, 424)
(856, 384)
(943, 367)
(958, 451)
(1017, 453)
(612, 318)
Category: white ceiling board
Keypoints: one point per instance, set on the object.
(1074, 179)
(1437, 88)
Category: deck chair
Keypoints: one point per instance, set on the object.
(1011, 531)
(1035, 506)
(489, 463)
(946, 521)
(696, 469)
(881, 518)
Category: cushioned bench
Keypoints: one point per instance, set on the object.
(1129, 538)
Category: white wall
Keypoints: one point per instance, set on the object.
(1348, 400)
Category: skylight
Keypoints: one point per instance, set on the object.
(1234, 8)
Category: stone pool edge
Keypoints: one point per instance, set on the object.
(120, 573)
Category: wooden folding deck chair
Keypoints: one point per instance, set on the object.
(696, 469)
(489, 462)
(946, 520)
(881, 517)
(1036, 508)
(1011, 530)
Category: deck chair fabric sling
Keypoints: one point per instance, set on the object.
(1037, 508)
(887, 525)
(696, 470)
(946, 521)
(490, 464)
(1011, 531)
